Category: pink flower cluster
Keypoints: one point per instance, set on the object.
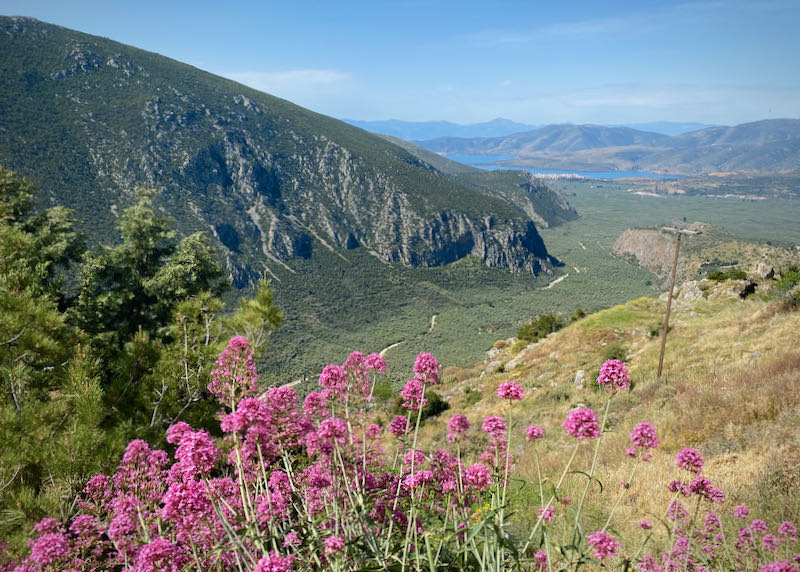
(605, 545)
(582, 424)
(690, 460)
(234, 375)
(457, 427)
(532, 433)
(426, 369)
(277, 492)
(510, 390)
(613, 376)
(644, 436)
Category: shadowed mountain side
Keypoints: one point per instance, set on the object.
(89, 119)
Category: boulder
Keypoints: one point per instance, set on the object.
(765, 271)
(690, 291)
(580, 377)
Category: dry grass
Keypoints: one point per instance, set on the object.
(731, 389)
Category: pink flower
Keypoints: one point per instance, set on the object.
(274, 562)
(645, 524)
(741, 511)
(234, 375)
(373, 431)
(759, 526)
(494, 426)
(249, 412)
(413, 395)
(313, 404)
(788, 530)
(196, 452)
(98, 488)
(291, 540)
(333, 377)
(456, 427)
(769, 543)
(613, 376)
(604, 544)
(546, 514)
(648, 564)
(376, 362)
(689, 459)
(582, 424)
(160, 555)
(418, 479)
(541, 561)
(415, 457)
(700, 486)
(716, 495)
(186, 502)
(333, 544)
(644, 436)
(333, 430)
(399, 426)
(510, 390)
(49, 548)
(533, 432)
(783, 566)
(478, 476)
(84, 525)
(426, 369)
(47, 525)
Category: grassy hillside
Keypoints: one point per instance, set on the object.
(730, 388)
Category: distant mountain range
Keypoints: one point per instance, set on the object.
(89, 119)
(771, 145)
(423, 130)
(420, 130)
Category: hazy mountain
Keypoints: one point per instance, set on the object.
(554, 139)
(419, 130)
(765, 146)
(667, 127)
(89, 119)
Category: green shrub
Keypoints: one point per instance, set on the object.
(577, 315)
(789, 279)
(382, 392)
(540, 327)
(518, 346)
(730, 274)
(435, 405)
(472, 396)
(614, 350)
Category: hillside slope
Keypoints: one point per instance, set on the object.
(89, 119)
(730, 388)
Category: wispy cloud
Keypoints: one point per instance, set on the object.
(290, 82)
(619, 103)
(583, 29)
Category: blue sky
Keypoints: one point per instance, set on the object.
(535, 61)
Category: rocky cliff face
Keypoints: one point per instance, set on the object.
(268, 180)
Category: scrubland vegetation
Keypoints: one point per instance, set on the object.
(138, 435)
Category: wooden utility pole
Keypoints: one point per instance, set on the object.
(678, 232)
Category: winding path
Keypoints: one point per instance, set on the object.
(554, 282)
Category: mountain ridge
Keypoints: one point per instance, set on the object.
(768, 145)
(498, 127)
(89, 119)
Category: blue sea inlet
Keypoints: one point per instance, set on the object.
(488, 162)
